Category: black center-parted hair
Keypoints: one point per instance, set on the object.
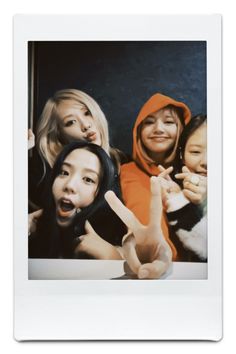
(51, 241)
(106, 178)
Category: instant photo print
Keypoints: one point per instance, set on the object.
(117, 193)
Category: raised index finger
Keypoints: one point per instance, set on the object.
(156, 203)
(124, 213)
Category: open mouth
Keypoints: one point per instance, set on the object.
(65, 208)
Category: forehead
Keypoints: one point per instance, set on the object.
(199, 136)
(162, 113)
(83, 159)
(69, 105)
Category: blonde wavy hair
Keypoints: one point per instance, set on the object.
(49, 142)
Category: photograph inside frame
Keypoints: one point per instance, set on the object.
(117, 166)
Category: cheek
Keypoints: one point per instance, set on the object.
(88, 197)
(173, 131)
(191, 161)
(56, 188)
(71, 132)
(144, 133)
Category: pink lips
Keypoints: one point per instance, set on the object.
(91, 136)
(202, 174)
(158, 138)
(65, 208)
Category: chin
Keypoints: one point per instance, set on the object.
(63, 224)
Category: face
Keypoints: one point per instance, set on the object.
(159, 132)
(76, 122)
(195, 155)
(76, 185)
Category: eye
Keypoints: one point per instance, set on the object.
(88, 180)
(87, 113)
(70, 122)
(195, 152)
(149, 120)
(169, 121)
(63, 172)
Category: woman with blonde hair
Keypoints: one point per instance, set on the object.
(69, 115)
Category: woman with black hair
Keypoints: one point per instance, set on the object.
(76, 220)
(186, 208)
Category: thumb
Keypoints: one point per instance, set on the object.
(88, 228)
(152, 270)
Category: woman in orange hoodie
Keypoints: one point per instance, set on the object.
(155, 141)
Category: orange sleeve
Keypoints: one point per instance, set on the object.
(135, 187)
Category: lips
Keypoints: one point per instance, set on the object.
(91, 136)
(202, 173)
(65, 208)
(158, 138)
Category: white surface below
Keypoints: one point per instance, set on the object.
(63, 269)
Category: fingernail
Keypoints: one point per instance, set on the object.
(143, 274)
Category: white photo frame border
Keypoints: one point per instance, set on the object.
(118, 310)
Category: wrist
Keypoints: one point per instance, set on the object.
(176, 201)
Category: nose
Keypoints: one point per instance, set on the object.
(159, 126)
(85, 125)
(71, 185)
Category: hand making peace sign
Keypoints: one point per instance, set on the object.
(144, 247)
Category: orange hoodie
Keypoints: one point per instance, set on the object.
(135, 176)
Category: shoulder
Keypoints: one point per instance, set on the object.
(131, 168)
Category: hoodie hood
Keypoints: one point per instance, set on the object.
(155, 103)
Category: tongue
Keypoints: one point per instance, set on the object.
(66, 206)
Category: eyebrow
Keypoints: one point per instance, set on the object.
(199, 145)
(67, 164)
(68, 116)
(150, 116)
(86, 169)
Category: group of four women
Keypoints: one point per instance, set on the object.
(84, 181)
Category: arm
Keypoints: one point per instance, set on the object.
(185, 217)
(189, 223)
(136, 193)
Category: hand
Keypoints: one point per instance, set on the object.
(92, 244)
(32, 220)
(168, 186)
(145, 249)
(195, 185)
(31, 139)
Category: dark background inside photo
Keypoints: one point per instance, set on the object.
(120, 76)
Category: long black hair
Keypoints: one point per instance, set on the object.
(53, 241)
(188, 130)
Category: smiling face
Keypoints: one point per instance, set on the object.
(159, 132)
(76, 185)
(195, 154)
(76, 122)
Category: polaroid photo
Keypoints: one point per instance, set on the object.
(117, 218)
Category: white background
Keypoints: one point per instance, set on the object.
(8, 9)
